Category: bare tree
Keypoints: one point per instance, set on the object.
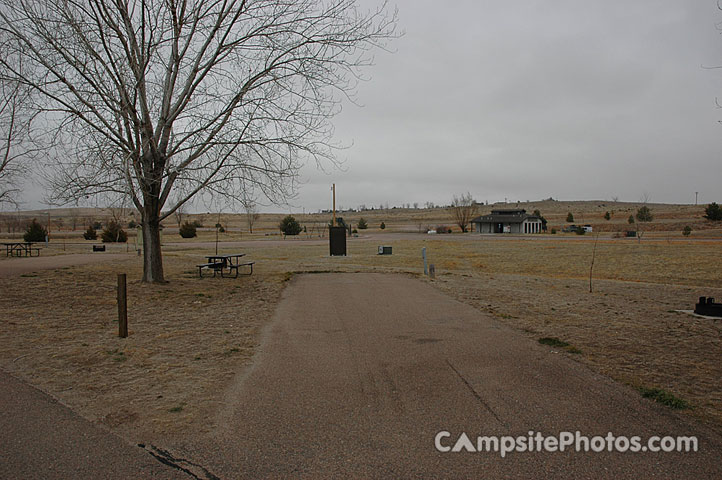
(145, 97)
(249, 205)
(591, 265)
(463, 208)
(643, 215)
(178, 214)
(15, 124)
(74, 217)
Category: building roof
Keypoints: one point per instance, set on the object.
(505, 216)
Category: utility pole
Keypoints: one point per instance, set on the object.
(333, 221)
(695, 197)
(218, 228)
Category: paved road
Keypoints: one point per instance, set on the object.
(40, 438)
(359, 372)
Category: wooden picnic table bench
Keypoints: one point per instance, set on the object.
(21, 249)
(220, 263)
(216, 266)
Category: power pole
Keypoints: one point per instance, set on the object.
(333, 221)
(218, 228)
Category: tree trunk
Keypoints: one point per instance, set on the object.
(152, 256)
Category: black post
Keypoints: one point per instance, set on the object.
(122, 307)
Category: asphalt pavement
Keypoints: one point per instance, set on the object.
(359, 375)
(42, 439)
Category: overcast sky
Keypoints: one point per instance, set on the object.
(530, 99)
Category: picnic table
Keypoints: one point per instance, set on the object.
(221, 263)
(20, 249)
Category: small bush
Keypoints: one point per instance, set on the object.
(35, 232)
(362, 225)
(187, 230)
(554, 231)
(570, 217)
(664, 397)
(713, 212)
(607, 216)
(686, 231)
(382, 226)
(553, 342)
(90, 234)
(290, 226)
(644, 214)
(354, 231)
(113, 233)
(630, 220)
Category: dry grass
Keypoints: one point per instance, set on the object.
(628, 331)
(189, 338)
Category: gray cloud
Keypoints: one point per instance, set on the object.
(525, 100)
(531, 99)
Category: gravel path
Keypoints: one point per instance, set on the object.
(357, 374)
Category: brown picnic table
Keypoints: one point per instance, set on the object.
(21, 249)
(221, 263)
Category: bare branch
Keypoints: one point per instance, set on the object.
(464, 209)
(160, 100)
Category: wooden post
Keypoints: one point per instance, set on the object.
(122, 307)
(432, 271)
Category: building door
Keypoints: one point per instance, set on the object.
(498, 228)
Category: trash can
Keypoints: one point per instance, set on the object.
(337, 241)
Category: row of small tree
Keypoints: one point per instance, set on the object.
(290, 226)
(113, 232)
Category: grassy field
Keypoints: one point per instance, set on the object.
(190, 338)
